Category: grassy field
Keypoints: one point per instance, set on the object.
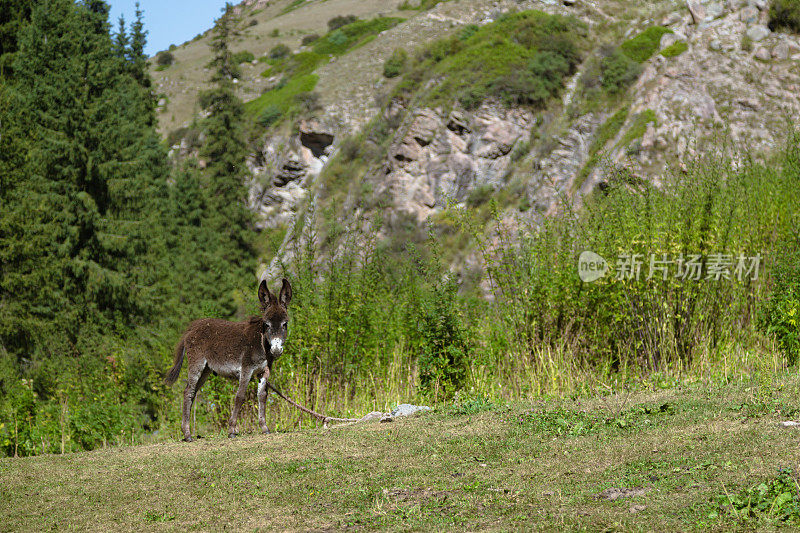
(654, 459)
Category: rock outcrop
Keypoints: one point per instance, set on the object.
(439, 157)
(282, 171)
(736, 78)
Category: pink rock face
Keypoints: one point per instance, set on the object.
(498, 139)
(749, 15)
(697, 11)
(781, 52)
(762, 54)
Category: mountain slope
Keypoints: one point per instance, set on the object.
(660, 85)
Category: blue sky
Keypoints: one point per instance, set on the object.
(168, 21)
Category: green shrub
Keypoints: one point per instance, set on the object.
(308, 39)
(641, 47)
(308, 102)
(279, 51)
(775, 500)
(442, 347)
(618, 71)
(675, 49)
(243, 57)
(269, 115)
(164, 58)
(781, 314)
(468, 31)
(480, 195)
(393, 66)
(522, 59)
(784, 14)
(341, 20)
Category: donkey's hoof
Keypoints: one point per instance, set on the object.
(187, 439)
(232, 435)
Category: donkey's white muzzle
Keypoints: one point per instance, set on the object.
(276, 346)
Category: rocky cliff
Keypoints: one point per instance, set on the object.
(720, 77)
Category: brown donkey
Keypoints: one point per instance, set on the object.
(236, 350)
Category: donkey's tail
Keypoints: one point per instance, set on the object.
(172, 375)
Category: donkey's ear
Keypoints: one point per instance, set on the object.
(286, 293)
(263, 293)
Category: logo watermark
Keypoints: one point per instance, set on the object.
(691, 267)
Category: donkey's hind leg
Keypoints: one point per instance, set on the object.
(195, 378)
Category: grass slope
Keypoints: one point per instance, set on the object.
(474, 466)
(296, 69)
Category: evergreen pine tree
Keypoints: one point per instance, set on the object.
(14, 14)
(122, 42)
(86, 233)
(226, 173)
(138, 39)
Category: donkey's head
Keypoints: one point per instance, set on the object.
(274, 316)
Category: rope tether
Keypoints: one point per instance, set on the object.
(324, 419)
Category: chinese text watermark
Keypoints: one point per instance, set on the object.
(690, 267)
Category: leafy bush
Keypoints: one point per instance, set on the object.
(784, 14)
(522, 59)
(641, 47)
(243, 57)
(675, 49)
(618, 71)
(781, 315)
(164, 58)
(253, 22)
(441, 340)
(279, 51)
(393, 66)
(341, 20)
(777, 498)
(468, 31)
(480, 195)
(308, 39)
(308, 102)
(542, 79)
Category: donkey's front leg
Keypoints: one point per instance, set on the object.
(241, 393)
(262, 400)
